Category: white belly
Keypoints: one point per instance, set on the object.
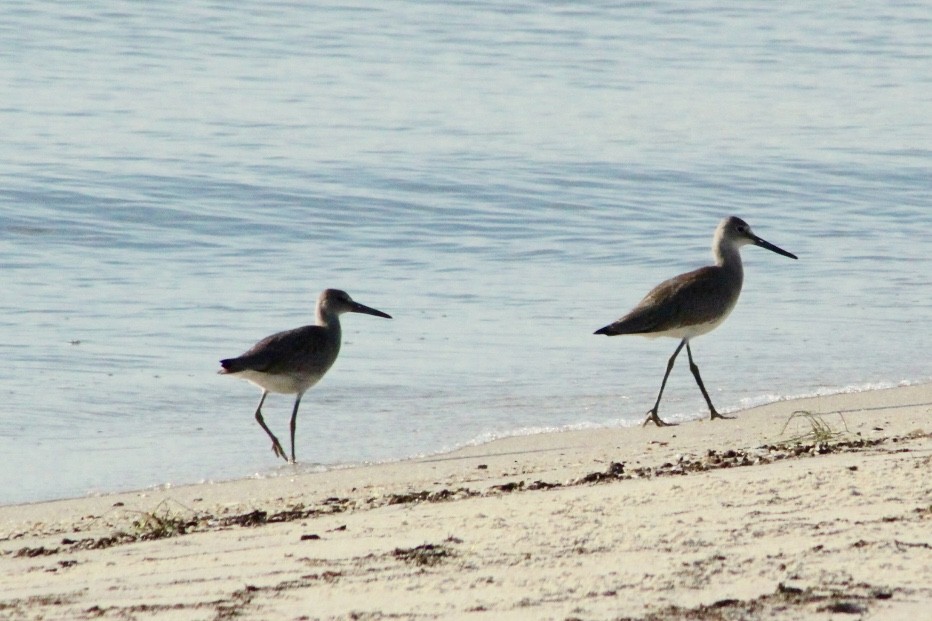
(285, 384)
(689, 332)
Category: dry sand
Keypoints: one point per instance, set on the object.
(708, 520)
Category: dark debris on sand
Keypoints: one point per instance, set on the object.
(853, 599)
(156, 527)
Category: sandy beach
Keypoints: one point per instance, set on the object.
(829, 518)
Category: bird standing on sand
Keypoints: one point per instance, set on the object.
(292, 361)
(694, 303)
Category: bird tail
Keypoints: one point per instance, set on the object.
(230, 365)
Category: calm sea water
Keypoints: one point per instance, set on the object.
(180, 179)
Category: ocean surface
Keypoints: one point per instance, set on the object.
(180, 179)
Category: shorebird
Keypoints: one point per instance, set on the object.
(292, 361)
(694, 303)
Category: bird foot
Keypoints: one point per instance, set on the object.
(653, 418)
(279, 451)
(722, 416)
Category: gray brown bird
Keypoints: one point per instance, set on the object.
(292, 361)
(694, 303)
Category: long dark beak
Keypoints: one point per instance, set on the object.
(362, 308)
(763, 243)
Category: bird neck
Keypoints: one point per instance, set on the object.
(727, 256)
(328, 320)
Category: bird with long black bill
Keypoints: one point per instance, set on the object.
(292, 361)
(694, 303)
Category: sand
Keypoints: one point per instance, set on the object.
(736, 519)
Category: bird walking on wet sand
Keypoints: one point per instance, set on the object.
(292, 361)
(694, 303)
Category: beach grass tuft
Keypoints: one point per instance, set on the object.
(819, 430)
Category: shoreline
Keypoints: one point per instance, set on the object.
(273, 473)
(592, 524)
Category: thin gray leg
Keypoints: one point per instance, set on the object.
(276, 445)
(695, 369)
(652, 413)
(294, 423)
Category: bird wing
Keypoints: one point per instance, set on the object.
(692, 298)
(281, 352)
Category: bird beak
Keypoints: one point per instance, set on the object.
(362, 308)
(763, 243)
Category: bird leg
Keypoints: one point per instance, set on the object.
(695, 369)
(294, 423)
(276, 445)
(652, 413)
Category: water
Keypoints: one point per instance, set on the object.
(181, 179)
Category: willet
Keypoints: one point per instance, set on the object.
(694, 303)
(292, 361)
